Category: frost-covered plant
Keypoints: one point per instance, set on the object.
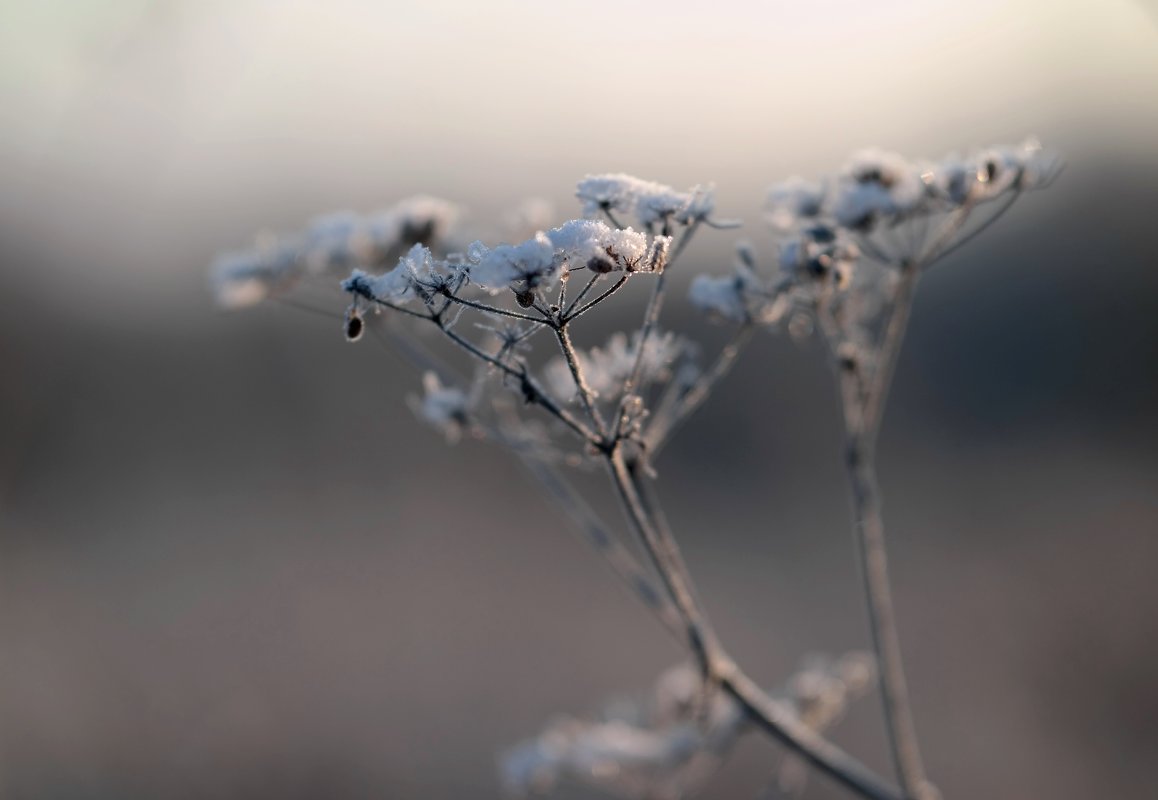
(851, 250)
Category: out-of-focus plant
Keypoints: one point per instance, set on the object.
(852, 249)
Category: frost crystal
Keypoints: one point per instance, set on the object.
(247, 277)
(658, 748)
(820, 252)
(338, 241)
(342, 240)
(728, 297)
(792, 201)
(445, 408)
(532, 261)
(668, 744)
(578, 244)
(579, 241)
(607, 368)
(878, 187)
(649, 202)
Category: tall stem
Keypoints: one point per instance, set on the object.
(869, 529)
(863, 403)
(767, 714)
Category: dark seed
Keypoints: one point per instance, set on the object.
(354, 327)
(600, 265)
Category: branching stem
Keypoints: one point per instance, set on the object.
(863, 397)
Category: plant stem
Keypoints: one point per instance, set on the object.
(771, 716)
(783, 725)
(869, 531)
(671, 416)
(863, 403)
(581, 387)
(668, 562)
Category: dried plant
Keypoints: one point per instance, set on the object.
(851, 251)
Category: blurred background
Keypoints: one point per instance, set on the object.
(233, 565)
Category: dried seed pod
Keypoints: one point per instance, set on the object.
(354, 325)
(600, 265)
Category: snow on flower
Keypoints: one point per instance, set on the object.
(444, 408)
(649, 202)
(820, 252)
(413, 271)
(607, 368)
(727, 297)
(339, 240)
(581, 240)
(246, 277)
(876, 184)
(657, 747)
(578, 244)
(342, 240)
(532, 261)
(794, 200)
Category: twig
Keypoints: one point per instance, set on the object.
(783, 725)
(615, 287)
(778, 721)
(668, 419)
(587, 287)
(531, 389)
(863, 400)
(583, 518)
(621, 561)
(585, 394)
(667, 561)
(651, 315)
(496, 310)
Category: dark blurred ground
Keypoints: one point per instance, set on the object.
(232, 564)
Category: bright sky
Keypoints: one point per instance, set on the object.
(360, 102)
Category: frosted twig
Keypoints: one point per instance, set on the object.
(573, 313)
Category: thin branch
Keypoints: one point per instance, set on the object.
(777, 720)
(618, 557)
(496, 310)
(585, 394)
(873, 559)
(667, 420)
(667, 563)
(951, 247)
(610, 217)
(615, 287)
(685, 240)
(395, 307)
(782, 724)
(587, 287)
(862, 404)
(877, 390)
(583, 518)
(651, 319)
(654, 510)
(531, 389)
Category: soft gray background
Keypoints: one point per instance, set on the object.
(232, 565)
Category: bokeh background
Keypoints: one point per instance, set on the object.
(233, 565)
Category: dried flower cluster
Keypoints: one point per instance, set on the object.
(668, 744)
(851, 249)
